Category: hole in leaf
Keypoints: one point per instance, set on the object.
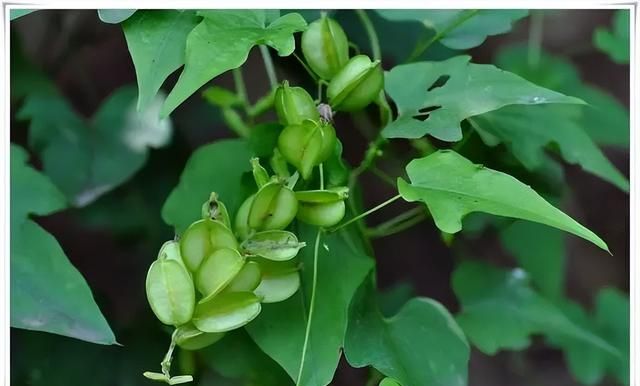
(425, 112)
(441, 81)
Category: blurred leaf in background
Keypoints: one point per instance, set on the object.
(605, 119)
(104, 152)
(47, 292)
(615, 42)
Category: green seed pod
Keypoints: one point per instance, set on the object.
(190, 338)
(170, 291)
(279, 164)
(294, 105)
(273, 245)
(217, 270)
(307, 145)
(247, 279)
(325, 47)
(201, 239)
(280, 280)
(274, 207)
(215, 209)
(226, 312)
(357, 84)
(339, 193)
(321, 215)
(242, 218)
(260, 174)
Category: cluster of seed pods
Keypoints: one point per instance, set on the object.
(215, 277)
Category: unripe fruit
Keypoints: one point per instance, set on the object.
(190, 338)
(217, 271)
(170, 290)
(201, 239)
(294, 105)
(273, 207)
(226, 312)
(323, 208)
(242, 218)
(307, 145)
(325, 47)
(357, 84)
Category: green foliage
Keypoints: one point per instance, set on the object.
(616, 42)
(444, 93)
(18, 13)
(529, 131)
(452, 186)
(222, 41)
(47, 292)
(604, 118)
(542, 256)
(610, 320)
(115, 16)
(280, 329)
(272, 278)
(420, 345)
(501, 311)
(64, 141)
(236, 356)
(460, 29)
(217, 167)
(157, 41)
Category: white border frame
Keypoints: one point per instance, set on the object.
(634, 107)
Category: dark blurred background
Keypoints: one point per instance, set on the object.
(113, 241)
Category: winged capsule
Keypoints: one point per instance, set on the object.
(273, 207)
(274, 245)
(169, 287)
(246, 280)
(189, 337)
(217, 271)
(323, 208)
(201, 239)
(226, 312)
(294, 104)
(307, 145)
(357, 84)
(260, 174)
(215, 209)
(325, 47)
(242, 218)
(280, 280)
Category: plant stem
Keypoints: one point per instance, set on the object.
(321, 170)
(268, 66)
(314, 283)
(404, 216)
(536, 27)
(311, 74)
(166, 361)
(361, 215)
(417, 219)
(383, 176)
(241, 89)
(424, 44)
(372, 153)
(371, 33)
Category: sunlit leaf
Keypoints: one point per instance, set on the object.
(222, 41)
(452, 186)
(280, 328)
(157, 41)
(442, 94)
